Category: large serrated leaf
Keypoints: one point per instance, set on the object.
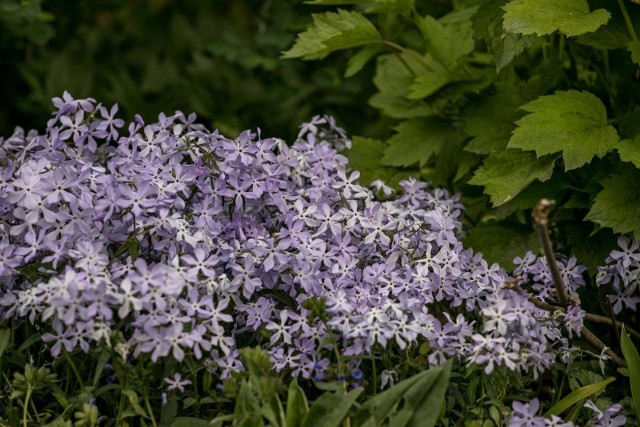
(541, 17)
(507, 173)
(393, 80)
(634, 49)
(447, 43)
(360, 59)
(416, 141)
(617, 206)
(487, 23)
(629, 151)
(332, 31)
(571, 122)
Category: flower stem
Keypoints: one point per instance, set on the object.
(74, 368)
(541, 217)
(627, 21)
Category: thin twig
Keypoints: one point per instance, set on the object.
(588, 316)
(595, 341)
(541, 217)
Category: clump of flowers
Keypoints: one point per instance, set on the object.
(165, 239)
(622, 273)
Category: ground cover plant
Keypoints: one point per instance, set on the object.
(155, 271)
(162, 274)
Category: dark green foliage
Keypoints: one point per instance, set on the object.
(218, 59)
(524, 99)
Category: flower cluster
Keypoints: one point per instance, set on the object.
(525, 415)
(167, 239)
(622, 272)
(534, 270)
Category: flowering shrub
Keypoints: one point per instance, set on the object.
(166, 240)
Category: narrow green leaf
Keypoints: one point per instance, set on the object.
(576, 396)
(102, 361)
(632, 358)
(360, 59)
(423, 396)
(428, 396)
(190, 422)
(416, 141)
(571, 122)
(541, 17)
(330, 409)
(617, 206)
(507, 173)
(297, 405)
(332, 31)
(5, 336)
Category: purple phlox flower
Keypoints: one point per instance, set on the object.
(607, 418)
(176, 383)
(524, 415)
(574, 319)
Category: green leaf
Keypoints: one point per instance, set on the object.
(5, 337)
(427, 84)
(423, 395)
(360, 59)
(634, 49)
(365, 155)
(501, 242)
(297, 406)
(446, 43)
(618, 205)
(629, 151)
(507, 173)
(487, 23)
(190, 422)
(576, 396)
(571, 122)
(416, 141)
(330, 409)
(541, 17)
(393, 79)
(333, 31)
(553, 189)
(630, 353)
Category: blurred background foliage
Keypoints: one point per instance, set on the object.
(217, 58)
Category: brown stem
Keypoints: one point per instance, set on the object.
(595, 341)
(590, 317)
(541, 217)
(586, 333)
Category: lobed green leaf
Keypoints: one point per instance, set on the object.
(618, 205)
(541, 17)
(332, 31)
(571, 122)
(506, 173)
